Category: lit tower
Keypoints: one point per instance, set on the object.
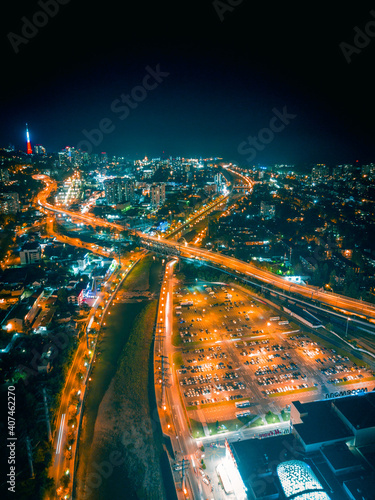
(28, 145)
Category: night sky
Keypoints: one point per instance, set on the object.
(222, 79)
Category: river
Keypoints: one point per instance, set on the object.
(110, 427)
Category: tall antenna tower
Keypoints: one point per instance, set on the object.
(29, 151)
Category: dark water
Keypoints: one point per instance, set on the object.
(119, 326)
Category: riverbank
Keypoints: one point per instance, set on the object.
(121, 445)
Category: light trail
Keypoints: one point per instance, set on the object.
(166, 314)
(61, 432)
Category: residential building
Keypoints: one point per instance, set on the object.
(9, 203)
(118, 190)
(319, 172)
(267, 211)
(4, 175)
(31, 253)
(39, 149)
(157, 195)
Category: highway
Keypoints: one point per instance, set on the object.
(231, 263)
(75, 241)
(202, 213)
(51, 186)
(59, 462)
(250, 271)
(182, 441)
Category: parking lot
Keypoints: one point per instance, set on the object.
(238, 360)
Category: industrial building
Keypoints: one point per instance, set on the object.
(329, 455)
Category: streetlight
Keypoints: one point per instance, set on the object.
(347, 325)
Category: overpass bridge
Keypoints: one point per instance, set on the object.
(249, 271)
(244, 188)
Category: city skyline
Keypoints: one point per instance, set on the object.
(108, 158)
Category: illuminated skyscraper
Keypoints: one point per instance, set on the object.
(157, 195)
(118, 190)
(28, 144)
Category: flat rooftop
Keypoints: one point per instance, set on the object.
(358, 410)
(321, 423)
(340, 457)
(254, 456)
(361, 488)
(368, 452)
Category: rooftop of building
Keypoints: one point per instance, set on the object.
(361, 488)
(358, 410)
(340, 457)
(368, 452)
(321, 423)
(19, 311)
(13, 275)
(299, 481)
(30, 245)
(256, 455)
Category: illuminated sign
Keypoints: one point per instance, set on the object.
(349, 392)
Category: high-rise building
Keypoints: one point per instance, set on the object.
(30, 253)
(319, 172)
(70, 156)
(337, 172)
(128, 190)
(4, 175)
(28, 144)
(218, 179)
(104, 158)
(39, 149)
(157, 195)
(118, 190)
(65, 157)
(344, 172)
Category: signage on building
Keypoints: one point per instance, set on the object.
(349, 392)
